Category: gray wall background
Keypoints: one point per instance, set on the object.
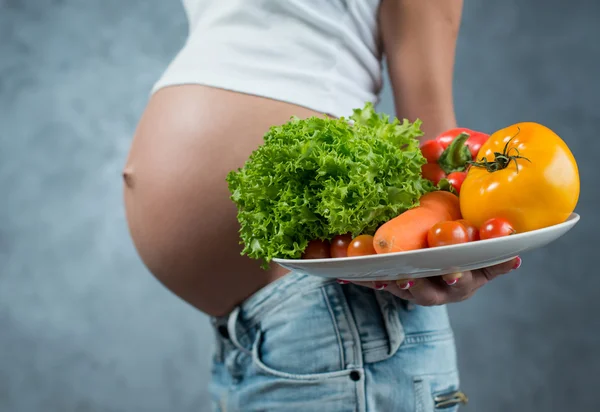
(83, 327)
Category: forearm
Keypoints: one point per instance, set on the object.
(437, 116)
(419, 38)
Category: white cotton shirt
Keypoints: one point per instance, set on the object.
(321, 54)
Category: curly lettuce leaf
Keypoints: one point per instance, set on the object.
(319, 177)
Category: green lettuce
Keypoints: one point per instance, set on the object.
(319, 177)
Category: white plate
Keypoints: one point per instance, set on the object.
(430, 262)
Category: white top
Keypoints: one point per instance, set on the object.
(321, 54)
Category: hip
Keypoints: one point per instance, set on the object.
(303, 343)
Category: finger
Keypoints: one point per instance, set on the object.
(489, 272)
(462, 285)
(501, 269)
(452, 278)
(395, 290)
(383, 285)
(405, 284)
(377, 285)
(468, 284)
(430, 292)
(380, 285)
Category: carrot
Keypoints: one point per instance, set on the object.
(443, 202)
(408, 231)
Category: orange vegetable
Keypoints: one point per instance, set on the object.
(361, 246)
(496, 227)
(339, 245)
(447, 233)
(317, 249)
(472, 231)
(525, 174)
(442, 202)
(408, 231)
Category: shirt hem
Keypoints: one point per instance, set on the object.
(271, 89)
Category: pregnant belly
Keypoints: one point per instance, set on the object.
(179, 213)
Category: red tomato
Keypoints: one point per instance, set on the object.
(456, 179)
(471, 229)
(339, 245)
(432, 172)
(432, 150)
(447, 233)
(496, 227)
(475, 141)
(448, 136)
(361, 246)
(317, 249)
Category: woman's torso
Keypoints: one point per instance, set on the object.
(321, 54)
(247, 65)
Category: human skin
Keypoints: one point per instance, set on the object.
(189, 137)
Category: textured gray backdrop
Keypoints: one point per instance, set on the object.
(83, 327)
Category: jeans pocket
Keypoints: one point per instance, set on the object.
(279, 370)
(438, 392)
(300, 340)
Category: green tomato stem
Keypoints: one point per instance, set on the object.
(456, 156)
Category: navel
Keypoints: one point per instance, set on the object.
(128, 176)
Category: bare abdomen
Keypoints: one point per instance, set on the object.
(179, 213)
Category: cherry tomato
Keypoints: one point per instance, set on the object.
(475, 141)
(361, 246)
(447, 233)
(471, 229)
(317, 249)
(456, 179)
(448, 136)
(432, 172)
(496, 227)
(339, 245)
(432, 150)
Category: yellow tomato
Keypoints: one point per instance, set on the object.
(525, 174)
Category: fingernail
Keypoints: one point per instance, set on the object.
(342, 281)
(518, 263)
(454, 280)
(405, 285)
(380, 285)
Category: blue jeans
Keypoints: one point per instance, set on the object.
(308, 344)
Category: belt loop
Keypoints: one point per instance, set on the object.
(340, 307)
(232, 328)
(388, 304)
(219, 349)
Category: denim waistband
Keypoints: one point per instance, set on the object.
(263, 301)
(371, 317)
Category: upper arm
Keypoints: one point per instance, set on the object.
(419, 39)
